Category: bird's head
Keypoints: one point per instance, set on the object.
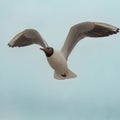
(48, 51)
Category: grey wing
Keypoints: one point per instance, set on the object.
(27, 37)
(86, 29)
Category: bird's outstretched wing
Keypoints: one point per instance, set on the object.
(27, 37)
(86, 29)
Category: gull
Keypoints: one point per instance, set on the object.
(57, 59)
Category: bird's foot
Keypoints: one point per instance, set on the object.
(63, 75)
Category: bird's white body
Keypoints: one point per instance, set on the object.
(58, 59)
(58, 62)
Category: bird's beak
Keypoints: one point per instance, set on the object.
(42, 49)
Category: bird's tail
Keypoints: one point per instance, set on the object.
(68, 75)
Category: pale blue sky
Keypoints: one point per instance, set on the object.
(28, 90)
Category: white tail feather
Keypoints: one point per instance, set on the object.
(69, 75)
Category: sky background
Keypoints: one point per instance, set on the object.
(28, 90)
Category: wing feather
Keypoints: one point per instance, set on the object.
(27, 37)
(86, 29)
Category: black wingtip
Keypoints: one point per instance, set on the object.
(10, 45)
(117, 30)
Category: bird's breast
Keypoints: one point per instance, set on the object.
(58, 62)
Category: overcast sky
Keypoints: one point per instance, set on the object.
(28, 90)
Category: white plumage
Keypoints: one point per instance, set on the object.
(58, 59)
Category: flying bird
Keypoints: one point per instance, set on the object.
(58, 58)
